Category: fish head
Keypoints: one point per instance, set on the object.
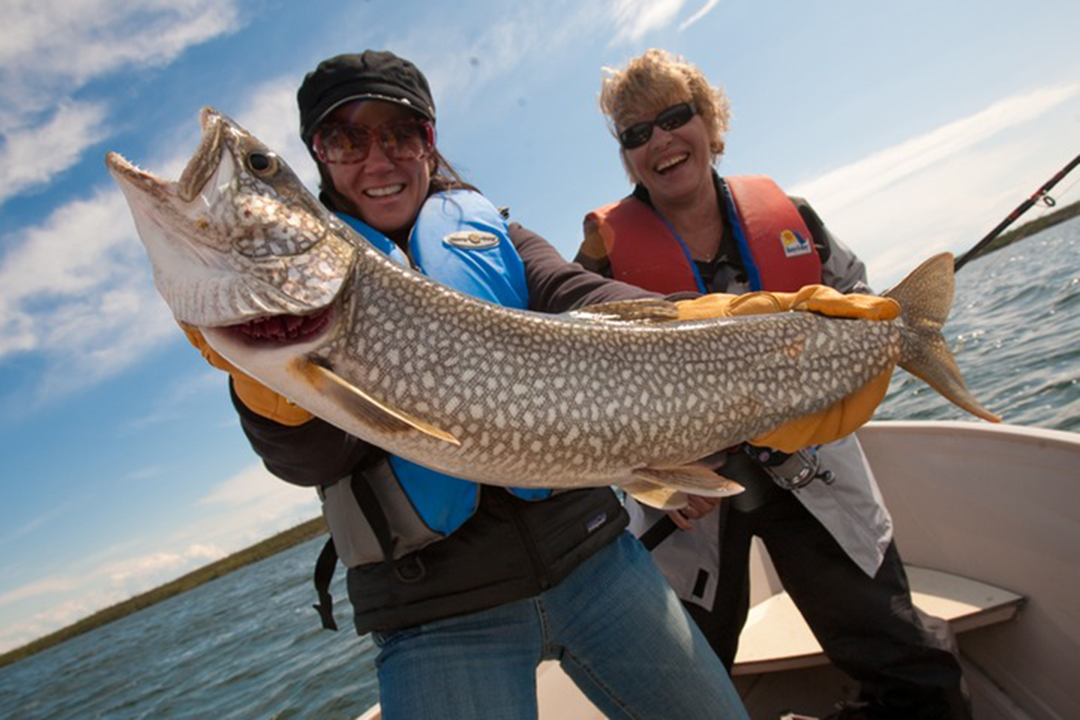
(238, 241)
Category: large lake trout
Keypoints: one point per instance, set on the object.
(614, 395)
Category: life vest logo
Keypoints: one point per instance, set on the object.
(472, 239)
(794, 244)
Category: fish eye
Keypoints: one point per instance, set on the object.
(262, 164)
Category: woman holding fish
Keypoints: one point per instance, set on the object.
(467, 587)
(819, 512)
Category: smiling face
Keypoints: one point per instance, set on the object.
(385, 193)
(674, 165)
(671, 160)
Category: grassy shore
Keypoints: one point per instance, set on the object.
(260, 551)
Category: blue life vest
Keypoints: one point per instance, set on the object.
(460, 240)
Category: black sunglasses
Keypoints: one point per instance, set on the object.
(674, 117)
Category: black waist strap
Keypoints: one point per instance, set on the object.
(324, 573)
(327, 562)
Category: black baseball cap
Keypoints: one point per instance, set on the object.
(372, 74)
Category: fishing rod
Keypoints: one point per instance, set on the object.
(1040, 194)
(665, 526)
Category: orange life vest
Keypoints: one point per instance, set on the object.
(774, 243)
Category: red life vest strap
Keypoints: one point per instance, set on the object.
(776, 246)
(642, 247)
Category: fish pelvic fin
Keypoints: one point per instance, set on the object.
(667, 488)
(328, 383)
(925, 297)
(655, 496)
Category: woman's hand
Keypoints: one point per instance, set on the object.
(696, 508)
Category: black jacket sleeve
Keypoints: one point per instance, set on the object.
(312, 454)
(556, 285)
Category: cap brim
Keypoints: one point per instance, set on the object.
(370, 96)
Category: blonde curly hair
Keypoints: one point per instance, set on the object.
(656, 80)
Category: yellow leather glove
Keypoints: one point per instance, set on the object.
(812, 298)
(839, 419)
(257, 397)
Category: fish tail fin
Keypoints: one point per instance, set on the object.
(925, 297)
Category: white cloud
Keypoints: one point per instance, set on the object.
(32, 156)
(945, 189)
(136, 570)
(77, 289)
(852, 183)
(171, 404)
(58, 601)
(59, 44)
(38, 588)
(705, 10)
(33, 524)
(51, 48)
(636, 18)
(255, 493)
(151, 472)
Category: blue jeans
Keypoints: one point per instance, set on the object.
(615, 626)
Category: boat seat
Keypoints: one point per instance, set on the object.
(777, 638)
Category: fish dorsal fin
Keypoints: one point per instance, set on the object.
(643, 311)
(693, 479)
(328, 383)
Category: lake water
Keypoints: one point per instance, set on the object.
(248, 645)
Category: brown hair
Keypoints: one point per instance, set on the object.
(655, 80)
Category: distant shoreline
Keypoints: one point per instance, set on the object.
(317, 526)
(1031, 227)
(259, 551)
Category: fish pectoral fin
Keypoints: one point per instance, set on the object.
(691, 479)
(643, 311)
(328, 383)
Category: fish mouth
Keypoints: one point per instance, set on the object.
(206, 158)
(128, 173)
(282, 330)
(200, 169)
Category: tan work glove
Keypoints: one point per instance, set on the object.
(812, 298)
(839, 419)
(256, 397)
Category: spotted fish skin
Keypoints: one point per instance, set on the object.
(542, 400)
(479, 391)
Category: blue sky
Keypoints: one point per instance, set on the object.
(913, 128)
